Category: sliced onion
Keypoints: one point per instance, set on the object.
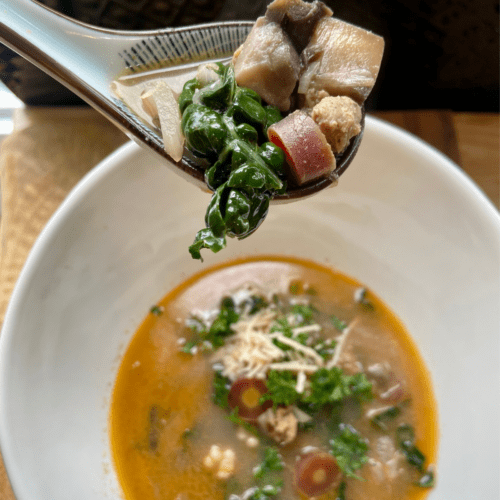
(161, 102)
(308, 154)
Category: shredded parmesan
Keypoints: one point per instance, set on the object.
(341, 343)
(249, 352)
(301, 382)
(314, 328)
(308, 351)
(293, 366)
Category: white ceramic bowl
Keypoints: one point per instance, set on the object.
(404, 220)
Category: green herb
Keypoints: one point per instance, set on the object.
(222, 385)
(187, 433)
(382, 418)
(303, 313)
(427, 480)
(349, 448)
(156, 310)
(341, 491)
(325, 348)
(338, 323)
(255, 303)
(360, 297)
(281, 388)
(217, 332)
(267, 475)
(302, 316)
(272, 463)
(228, 127)
(236, 419)
(406, 441)
(295, 287)
(331, 386)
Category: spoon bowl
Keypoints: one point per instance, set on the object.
(87, 59)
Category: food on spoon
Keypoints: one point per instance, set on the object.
(339, 119)
(340, 59)
(161, 103)
(308, 153)
(289, 341)
(268, 64)
(298, 66)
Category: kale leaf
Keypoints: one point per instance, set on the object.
(221, 390)
(228, 127)
(406, 442)
(267, 475)
(281, 388)
(331, 386)
(349, 448)
(215, 335)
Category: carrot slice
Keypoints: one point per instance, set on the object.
(245, 394)
(317, 473)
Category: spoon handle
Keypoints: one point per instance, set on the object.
(78, 55)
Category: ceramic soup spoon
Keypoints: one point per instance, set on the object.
(88, 59)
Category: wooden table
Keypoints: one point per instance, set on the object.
(51, 150)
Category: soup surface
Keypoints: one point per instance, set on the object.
(273, 378)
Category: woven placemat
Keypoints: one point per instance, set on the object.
(50, 150)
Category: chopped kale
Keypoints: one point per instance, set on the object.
(221, 390)
(236, 419)
(281, 388)
(303, 313)
(384, 417)
(156, 310)
(339, 324)
(341, 491)
(268, 477)
(272, 463)
(215, 335)
(349, 448)
(331, 386)
(325, 348)
(406, 442)
(427, 479)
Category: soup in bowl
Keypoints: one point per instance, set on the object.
(273, 378)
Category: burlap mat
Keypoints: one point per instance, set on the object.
(49, 151)
(40, 162)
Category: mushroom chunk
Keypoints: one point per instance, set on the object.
(339, 118)
(341, 59)
(268, 64)
(317, 473)
(297, 19)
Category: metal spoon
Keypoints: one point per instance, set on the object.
(87, 59)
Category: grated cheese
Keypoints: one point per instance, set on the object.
(341, 343)
(308, 351)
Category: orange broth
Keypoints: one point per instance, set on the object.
(156, 381)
